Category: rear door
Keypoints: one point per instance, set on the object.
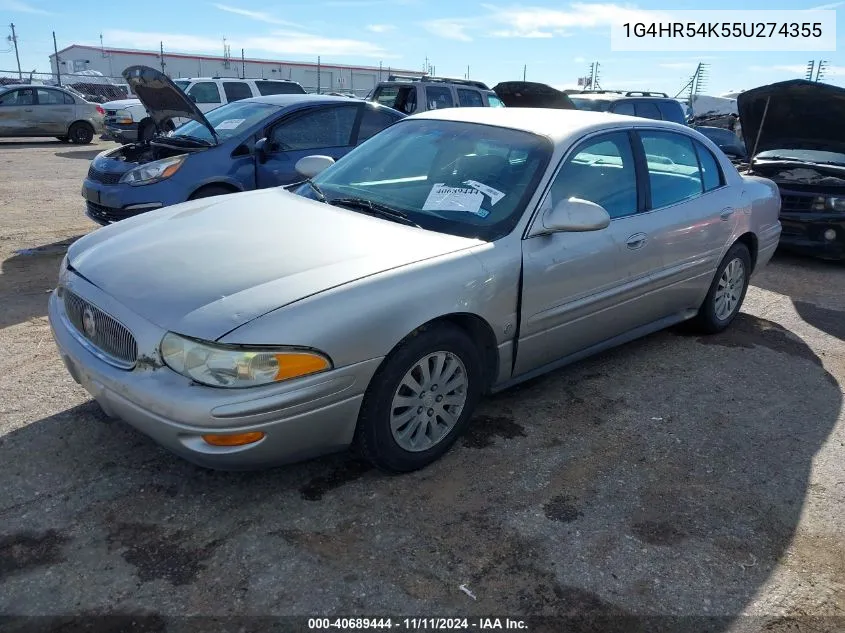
(55, 111)
(469, 98)
(438, 97)
(325, 129)
(17, 113)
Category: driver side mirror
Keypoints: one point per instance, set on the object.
(310, 166)
(261, 150)
(575, 216)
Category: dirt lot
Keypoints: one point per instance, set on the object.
(675, 476)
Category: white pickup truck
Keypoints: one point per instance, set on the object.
(127, 120)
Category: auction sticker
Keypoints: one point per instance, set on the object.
(443, 198)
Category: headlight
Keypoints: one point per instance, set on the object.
(154, 172)
(232, 366)
(62, 275)
(837, 204)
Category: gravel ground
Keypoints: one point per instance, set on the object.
(675, 476)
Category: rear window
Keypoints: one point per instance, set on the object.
(279, 88)
(647, 110)
(672, 111)
(236, 90)
(596, 105)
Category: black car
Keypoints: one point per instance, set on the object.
(649, 105)
(795, 135)
(729, 142)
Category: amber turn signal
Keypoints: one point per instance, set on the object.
(237, 439)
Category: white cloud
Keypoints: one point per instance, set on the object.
(277, 42)
(380, 28)
(450, 29)
(799, 70)
(21, 7)
(525, 34)
(368, 3)
(260, 16)
(825, 7)
(580, 60)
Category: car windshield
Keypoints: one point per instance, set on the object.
(596, 105)
(454, 177)
(228, 120)
(182, 84)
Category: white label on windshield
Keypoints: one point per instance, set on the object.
(443, 198)
(229, 124)
(495, 194)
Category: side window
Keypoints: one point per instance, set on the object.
(626, 108)
(68, 99)
(386, 95)
(438, 97)
(470, 98)
(711, 174)
(373, 121)
(279, 88)
(494, 101)
(671, 111)
(205, 92)
(673, 170)
(647, 110)
(601, 170)
(50, 97)
(23, 97)
(236, 90)
(315, 129)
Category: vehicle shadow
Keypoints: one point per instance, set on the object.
(86, 155)
(814, 286)
(27, 278)
(664, 478)
(33, 144)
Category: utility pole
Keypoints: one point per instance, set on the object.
(811, 66)
(58, 65)
(318, 74)
(524, 71)
(467, 72)
(161, 52)
(379, 71)
(820, 69)
(243, 64)
(17, 57)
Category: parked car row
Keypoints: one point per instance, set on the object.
(37, 110)
(412, 264)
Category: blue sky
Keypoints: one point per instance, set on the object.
(555, 40)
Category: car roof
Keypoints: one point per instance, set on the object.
(615, 96)
(294, 99)
(288, 81)
(558, 125)
(15, 86)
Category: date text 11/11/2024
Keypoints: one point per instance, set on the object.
(416, 624)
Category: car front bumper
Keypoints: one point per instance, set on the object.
(805, 233)
(122, 133)
(301, 419)
(105, 203)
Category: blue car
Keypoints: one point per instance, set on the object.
(248, 144)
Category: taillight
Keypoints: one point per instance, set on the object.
(101, 111)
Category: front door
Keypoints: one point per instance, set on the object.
(17, 113)
(580, 289)
(325, 130)
(55, 111)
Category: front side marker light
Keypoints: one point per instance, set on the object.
(234, 439)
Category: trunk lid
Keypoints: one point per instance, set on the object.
(162, 98)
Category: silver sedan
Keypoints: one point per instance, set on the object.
(454, 254)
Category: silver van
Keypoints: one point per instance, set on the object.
(418, 94)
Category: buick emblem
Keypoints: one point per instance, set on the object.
(88, 322)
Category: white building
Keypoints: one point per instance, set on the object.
(332, 77)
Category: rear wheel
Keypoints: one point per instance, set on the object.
(81, 133)
(727, 292)
(420, 400)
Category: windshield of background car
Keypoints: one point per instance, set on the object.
(596, 105)
(228, 120)
(453, 177)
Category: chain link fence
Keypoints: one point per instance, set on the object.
(99, 88)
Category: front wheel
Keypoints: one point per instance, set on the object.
(420, 400)
(727, 292)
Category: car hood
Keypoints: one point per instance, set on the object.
(162, 98)
(529, 94)
(801, 115)
(121, 103)
(205, 267)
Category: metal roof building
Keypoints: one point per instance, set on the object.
(313, 77)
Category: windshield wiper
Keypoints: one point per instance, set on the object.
(196, 139)
(320, 195)
(381, 210)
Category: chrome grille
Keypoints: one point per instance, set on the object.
(107, 178)
(797, 203)
(111, 340)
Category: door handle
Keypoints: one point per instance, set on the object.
(636, 241)
(726, 214)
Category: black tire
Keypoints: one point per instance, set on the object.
(81, 133)
(374, 440)
(707, 321)
(146, 130)
(210, 190)
(63, 139)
